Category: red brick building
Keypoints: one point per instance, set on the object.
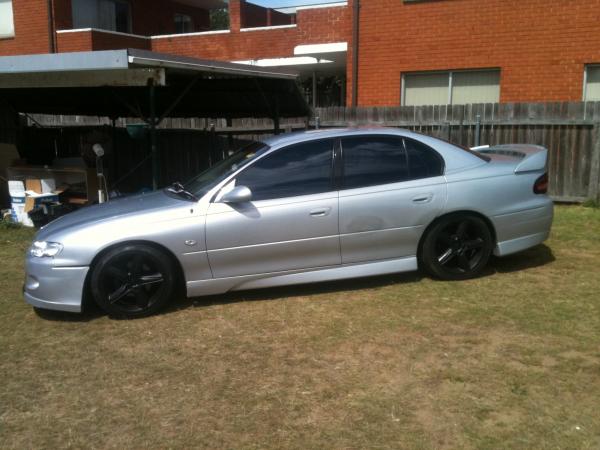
(409, 51)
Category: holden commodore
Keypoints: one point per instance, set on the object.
(298, 208)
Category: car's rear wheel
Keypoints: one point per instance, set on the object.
(457, 247)
(132, 281)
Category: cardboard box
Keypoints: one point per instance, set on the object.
(39, 200)
(40, 185)
(17, 199)
(16, 188)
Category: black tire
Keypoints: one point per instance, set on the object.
(457, 247)
(134, 280)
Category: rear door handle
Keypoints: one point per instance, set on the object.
(320, 212)
(422, 198)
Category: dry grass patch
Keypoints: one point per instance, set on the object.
(510, 360)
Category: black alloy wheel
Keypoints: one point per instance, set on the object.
(457, 247)
(133, 281)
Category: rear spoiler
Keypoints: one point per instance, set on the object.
(533, 157)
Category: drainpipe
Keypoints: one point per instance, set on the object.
(355, 37)
(51, 31)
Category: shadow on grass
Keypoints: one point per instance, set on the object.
(534, 257)
(528, 259)
(90, 312)
(300, 290)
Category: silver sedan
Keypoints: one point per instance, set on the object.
(298, 208)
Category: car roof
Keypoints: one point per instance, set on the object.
(455, 157)
(302, 136)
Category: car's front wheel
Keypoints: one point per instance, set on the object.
(132, 281)
(457, 247)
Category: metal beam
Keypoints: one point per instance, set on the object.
(62, 62)
(93, 78)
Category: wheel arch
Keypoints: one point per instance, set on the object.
(483, 217)
(179, 273)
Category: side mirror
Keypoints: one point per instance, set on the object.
(239, 194)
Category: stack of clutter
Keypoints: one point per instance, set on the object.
(31, 200)
(16, 190)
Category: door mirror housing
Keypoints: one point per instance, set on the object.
(239, 194)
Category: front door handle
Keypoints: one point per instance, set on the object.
(422, 198)
(320, 212)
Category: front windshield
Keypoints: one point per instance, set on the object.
(201, 184)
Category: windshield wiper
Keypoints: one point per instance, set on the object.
(178, 189)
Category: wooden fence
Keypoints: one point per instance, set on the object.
(570, 131)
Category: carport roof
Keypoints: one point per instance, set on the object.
(114, 83)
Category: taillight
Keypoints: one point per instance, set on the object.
(541, 185)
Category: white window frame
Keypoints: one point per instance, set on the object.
(450, 74)
(585, 80)
(10, 34)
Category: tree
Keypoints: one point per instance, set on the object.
(219, 19)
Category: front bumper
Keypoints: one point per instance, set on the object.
(50, 287)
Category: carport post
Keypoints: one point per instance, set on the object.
(314, 89)
(153, 140)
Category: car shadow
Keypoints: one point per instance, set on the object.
(538, 256)
(535, 257)
(299, 290)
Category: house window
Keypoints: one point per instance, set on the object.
(183, 23)
(7, 25)
(113, 15)
(452, 88)
(591, 89)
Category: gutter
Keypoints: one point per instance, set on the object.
(51, 30)
(355, 37)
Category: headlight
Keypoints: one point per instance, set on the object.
(40, 249)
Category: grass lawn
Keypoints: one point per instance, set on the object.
(510, 360)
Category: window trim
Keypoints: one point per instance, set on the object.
(433, 150)
(12, 34)
(586, 67)
(340, 183)
(450, 73)
(332, 181)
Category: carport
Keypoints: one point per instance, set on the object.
(146, 85)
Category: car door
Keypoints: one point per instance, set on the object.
(392, 188)
(291, 221)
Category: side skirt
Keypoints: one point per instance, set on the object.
(315, 275)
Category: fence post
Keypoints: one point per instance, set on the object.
(594, 185)
(478, 130)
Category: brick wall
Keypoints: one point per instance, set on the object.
(31, 29)
(80, 41)
(540, 46)
(314, 26)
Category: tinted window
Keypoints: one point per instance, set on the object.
(301, 169)
(423, 161)
(372, 160)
